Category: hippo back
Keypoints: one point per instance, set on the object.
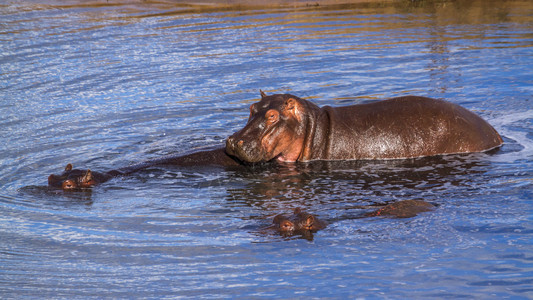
(405, 127)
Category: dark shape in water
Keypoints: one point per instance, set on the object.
(72, 179)
(403, 209)
(299, 223)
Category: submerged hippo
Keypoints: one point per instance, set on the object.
(299, 223)
(303, 223)
(403, 209)
(286, 128)
(72, 179)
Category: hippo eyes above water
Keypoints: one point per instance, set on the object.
(69, 185)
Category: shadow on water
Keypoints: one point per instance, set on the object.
(347, 190)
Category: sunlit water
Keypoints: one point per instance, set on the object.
(105, 86)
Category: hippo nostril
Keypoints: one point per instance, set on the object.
(231, 143)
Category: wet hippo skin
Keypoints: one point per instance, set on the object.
(403, 209)
(288, 128)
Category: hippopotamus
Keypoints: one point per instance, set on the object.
(403, 209)
(303, 223)
(299, 223)
(72, 179)
(286, 128)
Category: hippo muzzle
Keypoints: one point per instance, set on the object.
(246, 150)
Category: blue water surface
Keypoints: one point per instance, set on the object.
(103, 85)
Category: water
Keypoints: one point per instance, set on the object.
(103, 86)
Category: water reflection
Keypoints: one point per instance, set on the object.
(54, 197)
(318, 185)
(321, 185)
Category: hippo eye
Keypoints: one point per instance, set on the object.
(271, 116)
(286, 226)
(89, 183)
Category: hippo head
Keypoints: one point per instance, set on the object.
(72, 179)
(275, 130)
(299, 223)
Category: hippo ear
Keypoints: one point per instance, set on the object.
(291, 103)
(87, 177)
(68, 167)
(263, 95)
(295, 108)
(309, 221)
(277, 219)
